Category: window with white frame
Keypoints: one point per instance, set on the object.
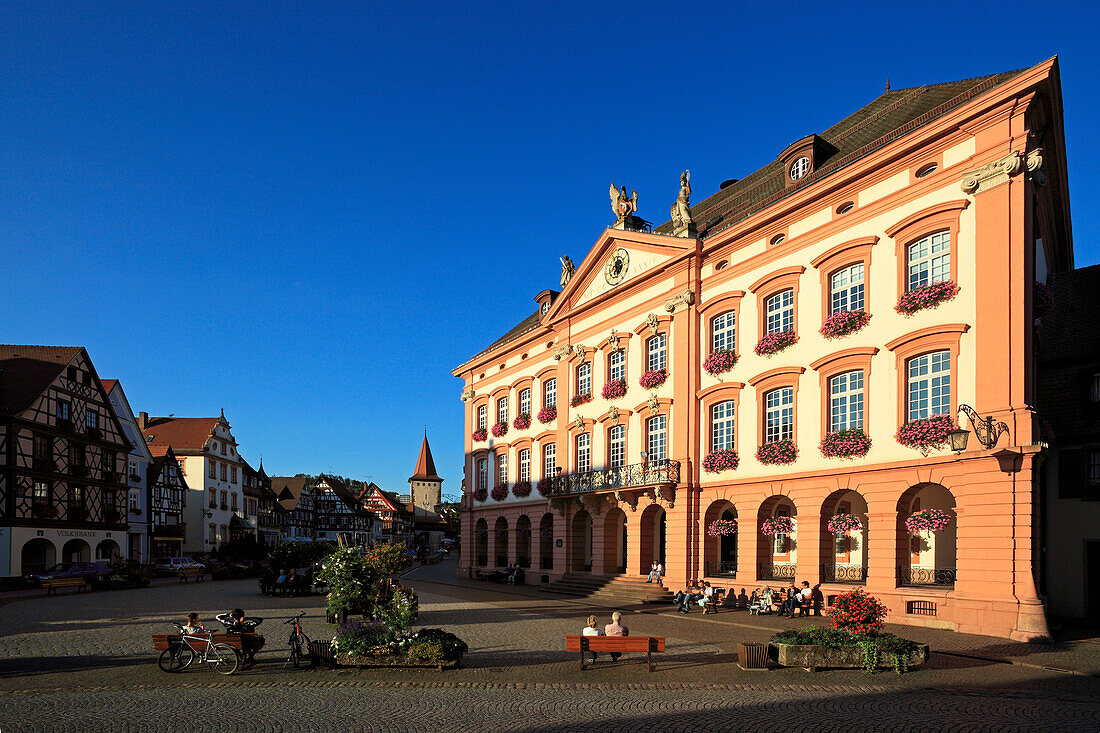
(213, 473)
(656, 438)
(482, 473)
(781, 545)
(525, 464)
(616, 446)
(846, 401)
(846, 289)
(779, 310)
(929, 390)
(721, 426)
(656, 353)
(584, 378)
(502, 410)
(233, 475)
(502, 469)
(722, 331)
(779, 415)
(549, 460)
(482, 417)
(616, 365)
(584, 453)
(550, 393)
(929, 260)
(525, 401)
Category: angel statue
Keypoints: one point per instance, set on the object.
(681, 212)
(621, 204)
(567, 269)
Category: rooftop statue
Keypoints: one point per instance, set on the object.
(567, 269)
(621, 204)
(682, 225)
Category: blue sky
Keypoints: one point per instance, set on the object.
(308, 213)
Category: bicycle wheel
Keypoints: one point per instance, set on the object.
(175, 658)
(223, 659)
(299, 649)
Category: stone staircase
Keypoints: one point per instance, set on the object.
(608, 589)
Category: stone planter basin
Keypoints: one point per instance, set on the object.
(812, 657)
(352, 660)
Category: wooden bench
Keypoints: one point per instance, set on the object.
(52, 584)
(715, 600)
(199, 574)
(616, 644)
(162, 641)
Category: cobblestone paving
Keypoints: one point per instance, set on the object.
(84, 663)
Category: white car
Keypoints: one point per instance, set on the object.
(172, 565)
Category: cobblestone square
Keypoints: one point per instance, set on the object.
(80, 662)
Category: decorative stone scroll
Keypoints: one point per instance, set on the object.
(578, 350)
(1035, 167)
(468, 394)
(613, 339)
(562, 352)
(668, 496)
(630, 499)
(992, 174)
(652, 322)
(685, 299)
(579, 423)
(613, 413)
(653, 404)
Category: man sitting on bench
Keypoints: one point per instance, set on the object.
(616, 629)
(251, 642)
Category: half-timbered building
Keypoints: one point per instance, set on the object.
(166, 497)
(62, 451)
(395, 521)
(136, 473)
(337, 512)
(295, 494)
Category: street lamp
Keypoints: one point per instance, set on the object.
(986, 432)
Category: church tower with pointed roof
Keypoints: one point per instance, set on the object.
(425, 486)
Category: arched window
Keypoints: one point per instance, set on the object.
(929, 260)
(616, 446)
(723, 331)
(846, 289)
(502, 410)
(502, 469)
(721, 426)
(482, 473)
(549, 460)
(846, 401)
(616, 365)
(656, 438)
(929, 390)
(482, 417)
(779, 310)
(779, 415)
(584, 453)
(656, 353)
(550, 393)
(584, 379)
(525, 465)
(525, 401)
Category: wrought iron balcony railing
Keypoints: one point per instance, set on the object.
(639, 475)
(908, 575)
(832, 573)
(726, 568)
(770, 571)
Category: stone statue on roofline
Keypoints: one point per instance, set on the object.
(567, 269)
(682, 225)
(621, 204)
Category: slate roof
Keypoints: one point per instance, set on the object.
(892, 115)
(108, 385)
(182, 433)
(26, 372)
(425, 465)
(1069, 330)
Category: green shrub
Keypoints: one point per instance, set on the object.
(873, 645)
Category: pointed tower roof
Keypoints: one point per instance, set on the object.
(425, 465)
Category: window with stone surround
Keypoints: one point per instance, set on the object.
(929, 391)
(846, 401)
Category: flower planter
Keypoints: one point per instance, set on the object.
(927, 434)
(653, 379)
(481, 494)
(360, 662)
(720, 460)
(773, 343)
(581, 399)
(719, 362)
(500, 430)
(479, 436)
(928, 296)
(844, 323)
(928, 520)
(522, 489)
(846, 444)
(499, 493)
(812, 657)
(522, 422)
(779, 453)
(614, 389)
(543, 486)
(548, 414)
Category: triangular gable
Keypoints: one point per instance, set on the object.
(376, 499)
(116, 395)
(646, 253)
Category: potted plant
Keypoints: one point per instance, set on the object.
(778, 453)
(928, 520)
(548, 414)
(844, 323)
(499, 492)
(841, 524)
(481, 494)
(773, 343)
(653, 379)
(500, 429)
(522, 489)
(853, 443)
(479, 435)
(722, 528)
(926, 434)
(581, 399)
(720, 460)
(719, 362)
(522, 421)
(614, 389)
(777, 525)
(927, 296)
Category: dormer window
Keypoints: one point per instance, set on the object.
(803, 157)
(800, 167)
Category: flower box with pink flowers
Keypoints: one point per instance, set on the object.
(581, 399)
(500, 429)
(548, 414)
(773, 343)
(779, 453)
(722, 528)
(719, 362)
(927, 434)
(479, 435)
(852, 443)
(844, 523)
(481, 494)
(499, 493)
(544, 486)
(928, 520)
(614, 389)
(522, 421)
(720, 460)
(522, 489)
(927, 296)
(777, 525)
(843, 323)
(653, 379)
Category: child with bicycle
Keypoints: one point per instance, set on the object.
(193, 625)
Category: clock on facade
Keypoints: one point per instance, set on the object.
(615, 269)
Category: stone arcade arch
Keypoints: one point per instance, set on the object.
(500, 542)
(546, 541)
(107, 551)
(76, 551)
(776, 556)
(926, 558)
(523, 541)
(719, 553)
(481, 543)
(580, 546)
(614, 541)
(38, 555)
(844, 556)
(652, 538)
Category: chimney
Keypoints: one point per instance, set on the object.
(143, 420)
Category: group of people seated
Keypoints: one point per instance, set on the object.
(788, 600)
(695, 592)
(615, 628)
(235, 622)
(511, 575)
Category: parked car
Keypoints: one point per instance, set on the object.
(93, 572)
(172, 565)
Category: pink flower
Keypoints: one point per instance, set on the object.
(928, 296)
(479, 435)
(548, 414)
(720, 361)
(522, 489)
(500, 429)
(614, 389)
(722, 528)
(845, 444)
(926, 434)
(581, 399)
(522, 421)
(653, 379)
(843, 323)
(773, 343)
(779, 453)
(720, 460)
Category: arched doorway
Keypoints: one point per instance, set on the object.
(481, 543)
(926, 557)
(523, 541)
(39, 555)
(720, 545)
(546, 542)
(614, 541)
(844, 553)
(500, 542)
(107, 551)
(652, 539)
(580, 542)
(76, 551)
(776, 555)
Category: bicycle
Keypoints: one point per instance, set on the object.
(299, 643)
(222, 658)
